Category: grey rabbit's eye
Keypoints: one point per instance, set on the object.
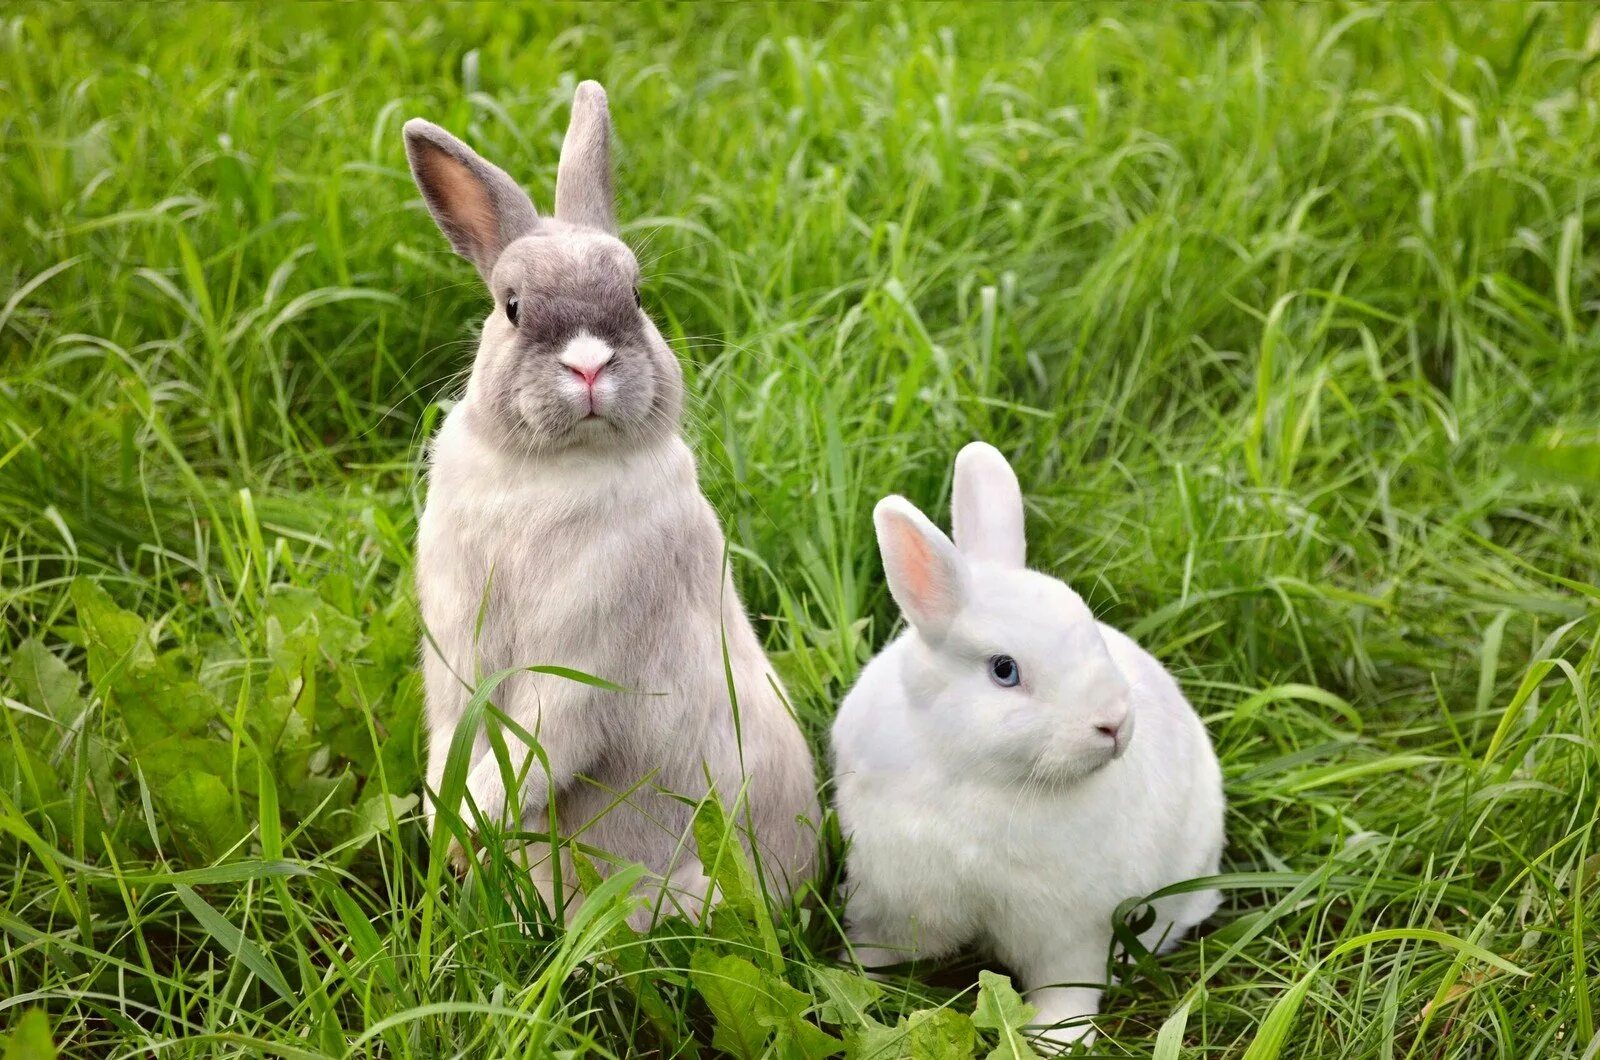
(637, 299)
(1004, 670)
(512, 305)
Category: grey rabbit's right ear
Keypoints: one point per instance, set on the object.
(583, 178)
(477, 206)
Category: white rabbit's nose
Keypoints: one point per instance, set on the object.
(1117, 730)
(586, 355)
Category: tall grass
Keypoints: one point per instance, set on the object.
(1286, 314)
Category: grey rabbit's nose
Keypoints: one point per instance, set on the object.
(586, 355)
(588, 375)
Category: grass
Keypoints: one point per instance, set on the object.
(1287, 315)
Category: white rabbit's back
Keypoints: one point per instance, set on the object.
(1182, 761)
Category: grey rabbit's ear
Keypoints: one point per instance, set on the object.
(583, 179)
(477, 206)
(986, 507)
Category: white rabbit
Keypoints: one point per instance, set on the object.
(564, 525)
(1008, 770)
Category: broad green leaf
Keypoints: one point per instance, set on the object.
(752, 1006)
(35, 779)
(169, 717)
(45, 683)
(740, 915)
(201, 806)
(112, 635)
(321, 687)
(799, 1039)
(372, 817)
(927, 1034)
(281, 719)
(807, 1041)
(49, 704)
(12, 822)
(338, 635)
(941, 1034)
(400, 720)
(733, 988)
(169, 721)
(847, 996)
(877, 1042)
(1001, 1009)
(30, 1037)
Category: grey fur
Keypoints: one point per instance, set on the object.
(583, 178)
(434, 155)
(570, 279)
(575, 528)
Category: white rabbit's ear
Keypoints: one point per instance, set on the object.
(927, 576)
(583, 179)
(477, 206)
(986, 507)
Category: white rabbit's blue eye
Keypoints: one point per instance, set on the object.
(1004, 670)
(512, 305)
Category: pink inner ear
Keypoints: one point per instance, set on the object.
(920, 566)
(464, 196)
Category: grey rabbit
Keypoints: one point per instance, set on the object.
(564, 525)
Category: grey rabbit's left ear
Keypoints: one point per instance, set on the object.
(583, 179)
(480, 209)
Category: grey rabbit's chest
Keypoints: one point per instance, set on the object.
(534, 586)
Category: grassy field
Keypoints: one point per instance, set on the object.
(1287, 316)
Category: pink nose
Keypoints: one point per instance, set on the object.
(587, 374)
(1116, 732)
(586, 357)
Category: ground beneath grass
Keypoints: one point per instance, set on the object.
(1287, 317)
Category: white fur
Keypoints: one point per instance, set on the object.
(586, 354)
(1004, 817)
